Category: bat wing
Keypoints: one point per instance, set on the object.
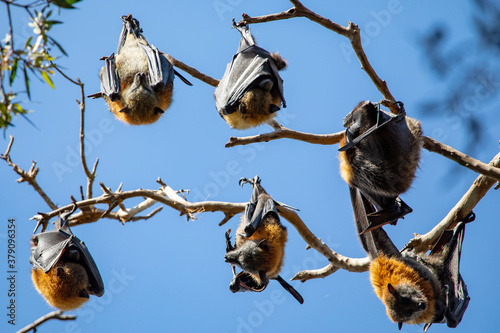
(259, 207)
(95, 280)
(373, 241)
(249, 67)
(160, 70)
(457, 295)
(383, 119)
(49, 248)
(51, 245)
(110, 82)
(290, 289)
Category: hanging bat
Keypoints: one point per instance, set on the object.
(251, 90)
(415, 288)
(379, 156)
(260, 244)
(137, 82)
(64, 272)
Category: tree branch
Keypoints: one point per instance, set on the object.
(168, 196)
(90, 174)
(51, 315)
(27, 176)
(285, 133)
(352, 32)
(478, 189)
(192, 71)
(303, 276)
(461, 158)
(339, 261)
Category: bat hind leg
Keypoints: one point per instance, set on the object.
(387, 215)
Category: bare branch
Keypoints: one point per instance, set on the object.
(192, 71)
(461, 158)
(303, 276)
(352, 32)
(285, 133)
(27, 176)
(338, 260)
(476, 192)
(51, 315)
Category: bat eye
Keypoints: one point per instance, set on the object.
(422, 306)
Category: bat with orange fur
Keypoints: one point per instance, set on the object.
(137, 82)
(260, 244)
(251, 90)
(64, 272)
(415, 288)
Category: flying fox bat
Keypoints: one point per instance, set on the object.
(260, 244)
(251, 90)
(415, 288)
(137, 82)
(64, 272)
(379, 156)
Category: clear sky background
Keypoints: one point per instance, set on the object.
(169, 275)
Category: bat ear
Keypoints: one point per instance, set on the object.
(83, 293)
(391, 289)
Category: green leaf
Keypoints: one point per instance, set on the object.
(13, 71)
(28, 42)
(53, 22)
(47, 79)
(68, 4)
(27, 82)
(58, 46)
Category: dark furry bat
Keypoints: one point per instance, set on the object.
(137, 82)
(64, 272)
(415, 288)
(379, 156)
(251, 90)
(260, 244)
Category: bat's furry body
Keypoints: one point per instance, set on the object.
(63, 272)
(251, 90)
(260, 244)
(383, 164)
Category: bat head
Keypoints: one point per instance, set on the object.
(405, 303)
(251, 257)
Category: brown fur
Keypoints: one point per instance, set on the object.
(280, 62)
(387, 270)
(61, 285)
(383, 165)
(271, 259)
(254, 109)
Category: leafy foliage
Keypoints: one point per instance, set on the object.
(35, 58)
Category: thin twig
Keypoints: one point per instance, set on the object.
(51, 315)
(27, 176)
(81, 104)
(478, 189)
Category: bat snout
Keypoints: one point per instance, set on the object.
(231, 258)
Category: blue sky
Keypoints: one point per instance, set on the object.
(166, 274)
